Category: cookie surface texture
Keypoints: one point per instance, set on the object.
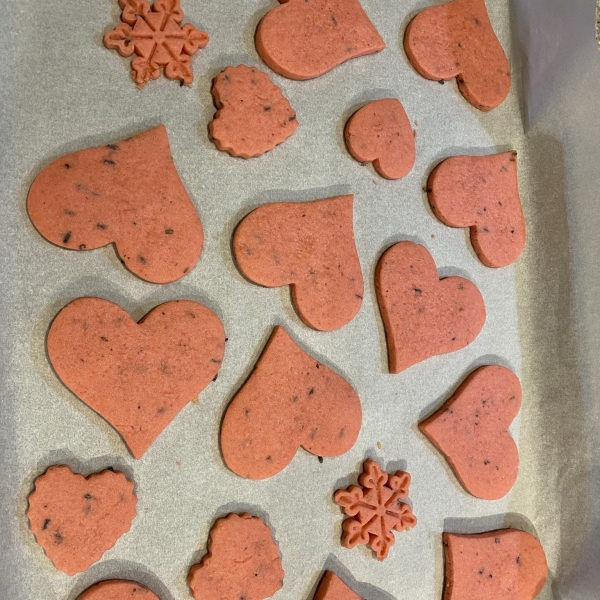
(380, 133)
(507, 564)
(137, 376)
(309, 246)
(253, 115)
(375, 509)
(471, 431)
(75, 519)
(129, 194)
(242, 562)
(482, 193)
(289, 400)
(118, 589)
(423, 315)
(303, 39)
(332, 587)
(155, 35)
(456, 39)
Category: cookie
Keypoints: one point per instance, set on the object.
(118, 589)
(309, 246)
(423, 315)
(482, 193)
(253, 115)
(380, 133)
(129, 194)
(507, 564)
(76, 519)
(242, 562)
(137, 376)
(456, 39)
(471, 431)
(157, 38)
(289, 400)
(375, 509)
(303, 39)
(332, 587)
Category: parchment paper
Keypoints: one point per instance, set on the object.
(62, 91)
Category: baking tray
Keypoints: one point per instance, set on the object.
(61, 90)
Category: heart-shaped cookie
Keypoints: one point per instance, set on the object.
(380, 133)
(309, 246)
(137, 376)
(118, 589)
(423, 315)
(302, 39)
(471, 431)
(506, 564)
(456, 39)
(289, 400)
(482, 193)
(242, 562)
(253, 115)
(76, 519)
(129, 194)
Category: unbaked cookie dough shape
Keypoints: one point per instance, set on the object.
(309, 246)
(289, 400)
(380, 132)
(303, 39)
(456, 39)
(507, 564)
(128, 193)
(482, 193)
(423, 315)
(242, 562)
(137, 376)
(471, 431)
(253, 115)
(118, 589)
(331, 587)
(75, 519)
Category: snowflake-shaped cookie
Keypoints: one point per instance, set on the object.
(155, 34)
(376, 509)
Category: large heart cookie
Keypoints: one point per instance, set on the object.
(423, 315)
(456, 39)
(507, 564)
(129, 194)
(137, 376)
(75, 519)
(118, 589)
(253, 115)
(289, 400)
(302, 39)
(471, 431)
(242, 562)
(310, 246)
(380, 133)
(482, 193)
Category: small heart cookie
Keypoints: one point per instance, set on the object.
(253, 115)
(129, 194)
(289, 400)
(118, 589)
(137, 376)
(76, 519)
(506, 564)
(471, 431)
(242, 562)
(309, 246)
(482, 193)
(456, 39)
(380, 133)
(423, 315)
(303, 39)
